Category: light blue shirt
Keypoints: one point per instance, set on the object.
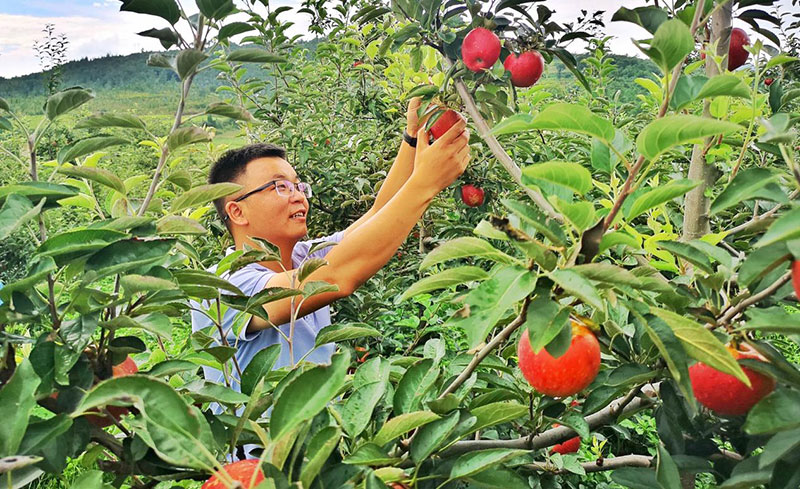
(251, 279)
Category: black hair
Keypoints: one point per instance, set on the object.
(231, 165)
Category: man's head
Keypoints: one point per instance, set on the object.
(266, 213)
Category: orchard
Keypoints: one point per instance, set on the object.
(608, 297)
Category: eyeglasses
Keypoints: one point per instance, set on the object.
(284, 188)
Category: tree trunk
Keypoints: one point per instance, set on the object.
(696, 205)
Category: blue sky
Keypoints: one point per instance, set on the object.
(95, 28)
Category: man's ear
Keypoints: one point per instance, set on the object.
(235, 213)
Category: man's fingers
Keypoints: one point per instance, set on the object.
(423, 139)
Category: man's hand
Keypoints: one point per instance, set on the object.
(438, 165)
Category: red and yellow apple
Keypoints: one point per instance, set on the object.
(480, 49)
(246, 472)
(472, 196)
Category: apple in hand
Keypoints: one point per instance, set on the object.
(723, 393)
(241, 472)
(471, 195)
(796, 277)
(445, 122)
(480, 49)
(525, 69)
(566, 375)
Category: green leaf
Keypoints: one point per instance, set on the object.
(648, 17)
(370, 454)
(635, 478)
(430, 437)
(154, 322)
(778, 446)
(496, 413)
(672, 351)
(15, 212)
(370, 384)
(211, 392)
(41, 433)
(480, 460)
(779, 411)
(686, 91)
(167, 36)
(171, 367)
(215, 9)
(307, 394)
(203, 194)
(319, 448)
(133, 283)
(491, 300)
(701, 344)
(466, 247)
(17, 400)
(724, 85)
(667, 132)
(416, 382)
(772, 320)
(545, 318)
(202, 277)
(99, 175)
(92, 479)
(688, 253)
(607, 273)
(38, 271)
(179, 225)
(127, 255)
(166, 9)
(259, 366)
(101, 121)
(576, 285)
(72, 245)
(561, 173)
(445, 279)
(670, 44)
(666, 471)
(4, 105)
(187, 135)
(343, 332)
(659, 195)
(402, 424)
(580, 214)
(60, 103)
(560, 117)
(308, 267)
(784, 228)
(229, 111)
(233, 29)
(36, 191)
(745, 186)
(530, 215)
(761, 261)
(187, 61)
(779, 60)
(5, 124)
(254, 55)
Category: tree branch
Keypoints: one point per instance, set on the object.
(735, 310)
(598, 465)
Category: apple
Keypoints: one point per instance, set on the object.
(480, 49)
(445, 122)
(241, 472)
(768, 81)
(723, 393)
(570, 446)
(472, 195)
(357, 63)
(796, 277)
(737, 55)
(566, 375)
(525, 69)
(126, 367)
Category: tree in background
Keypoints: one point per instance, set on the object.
(52, 53)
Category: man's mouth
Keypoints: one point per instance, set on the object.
(298, 215)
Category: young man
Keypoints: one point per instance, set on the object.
(273, 205)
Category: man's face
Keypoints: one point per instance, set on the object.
(266, 214)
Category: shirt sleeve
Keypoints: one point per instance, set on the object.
(302, 248)
(250, 280)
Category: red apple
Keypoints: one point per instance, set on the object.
(566, 375)
(796, 277)
(570, 446)
(525, 69)
(445, 122)
(241, 472)
(472, 195)
(480, 49)
(768, 81)
(357, 63)
(737, 55)
(726, 395)
(126, 367)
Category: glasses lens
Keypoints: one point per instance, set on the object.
(305, 188)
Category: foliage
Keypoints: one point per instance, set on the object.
(587, 220)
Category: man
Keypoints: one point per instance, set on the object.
(273, 205)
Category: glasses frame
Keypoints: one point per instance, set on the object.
(272, 183)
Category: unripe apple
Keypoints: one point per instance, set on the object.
(796, 277)
(241, 471)
(126, 367)
(480, 49)
(566, 375)
(737, 54)
(445, 122)
(723, 393)
(472, 195)
(525, 69)
(768, 81)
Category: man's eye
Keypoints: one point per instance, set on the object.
(281, 187)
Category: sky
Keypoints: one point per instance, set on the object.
(95, 28)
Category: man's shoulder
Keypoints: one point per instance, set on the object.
(303, 249)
